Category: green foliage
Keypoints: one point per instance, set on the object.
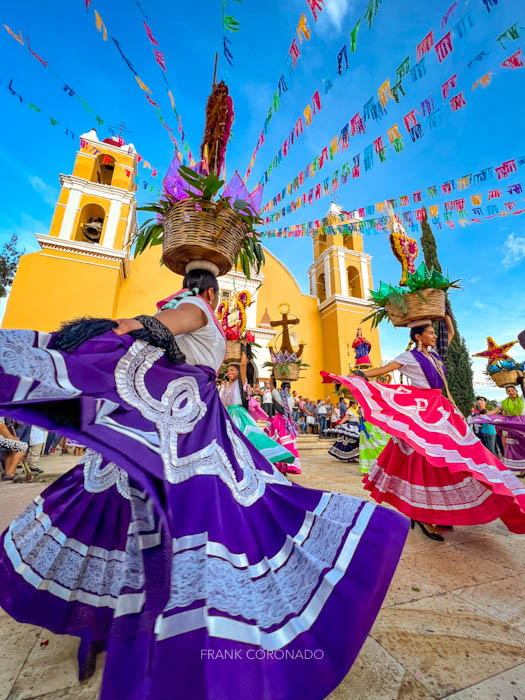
(9, 257)
(424, 277)
(457, 360)
(459, 372)
(428, 244)
(251, 254)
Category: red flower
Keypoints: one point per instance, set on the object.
(232, 334)
(250, 338)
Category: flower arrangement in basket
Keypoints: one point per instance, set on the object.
(501, 368)
(286, 361)
(423, 299)
(193, 222)
(233, 321)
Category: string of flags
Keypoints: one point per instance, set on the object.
(160, 59)
(375, 108)
(426, 199)
(230, 25)
(23, 40)
(340, 67)
(304, 33)
(501, 172)
(144, 184)
(66, 88)
(430, 107)
(411, 220)
(184, 153)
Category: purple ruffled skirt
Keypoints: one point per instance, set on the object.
(204, 572)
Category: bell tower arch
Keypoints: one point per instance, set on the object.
(341, 279)
(85, 256)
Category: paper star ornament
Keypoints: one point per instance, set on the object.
(495, 352)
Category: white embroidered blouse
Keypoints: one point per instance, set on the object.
(205, 346)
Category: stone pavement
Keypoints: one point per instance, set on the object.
(452, 625)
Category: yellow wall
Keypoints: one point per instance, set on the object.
(86, 165)
(279, 287)
(51, 287)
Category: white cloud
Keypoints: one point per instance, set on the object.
(49, 193)
(479, 305)
(336, 10)
(514, 248)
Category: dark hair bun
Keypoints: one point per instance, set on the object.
(418, 330)
(201, 280)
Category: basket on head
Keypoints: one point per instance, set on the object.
(433, 307)
(233, 352)
(505, 377)
(201, 231)
(287, 372)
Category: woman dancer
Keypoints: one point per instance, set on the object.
(212, 552)
(283, 429)
(434, 469)
(513, 425)
(346, 446)
(233, 396)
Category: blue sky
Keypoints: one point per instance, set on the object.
(490, 258)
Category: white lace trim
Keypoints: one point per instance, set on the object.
(99, 477)
(291, 592)
(67, 568)
(468, 493)
(178, 411)
(283, 590)
(24, 354)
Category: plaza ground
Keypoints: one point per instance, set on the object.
(452, 624)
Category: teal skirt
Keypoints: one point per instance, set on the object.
(269, 448)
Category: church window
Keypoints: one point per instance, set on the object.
(349, 242)
(321, 287)
(90, 224)
(105, 167)
(354, 282)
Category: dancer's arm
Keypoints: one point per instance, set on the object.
(244, 364)
(450, 328)
(378, 371)
(185, 319)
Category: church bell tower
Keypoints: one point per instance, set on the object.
(85, 256)
(341, 279)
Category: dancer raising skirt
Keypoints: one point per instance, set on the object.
(283, 429)
(434, 469)
(175, 544)
(233, 396)
(346, 446)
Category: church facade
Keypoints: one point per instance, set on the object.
(85, 268)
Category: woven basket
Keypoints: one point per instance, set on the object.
(432, 308)
(196, 231)
(504, 377)
(233, 351)
(286, 372)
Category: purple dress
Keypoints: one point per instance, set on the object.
(205, 573)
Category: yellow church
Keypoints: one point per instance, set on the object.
(85, 268)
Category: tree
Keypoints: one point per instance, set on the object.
(457, 360)
(9, 257)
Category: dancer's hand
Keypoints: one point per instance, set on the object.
(126, 325)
